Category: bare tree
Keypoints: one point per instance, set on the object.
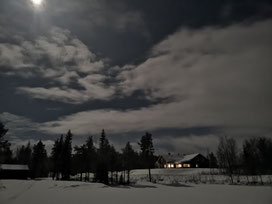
(227, 154)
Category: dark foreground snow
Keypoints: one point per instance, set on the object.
(66, 192)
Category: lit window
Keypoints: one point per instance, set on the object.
(169, 165)
(186, 165)
(172, 165)
(179, 165)
(196, 165)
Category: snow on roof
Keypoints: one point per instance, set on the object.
(188, 157)
(179, 158)
(13, 167)
(171, 157)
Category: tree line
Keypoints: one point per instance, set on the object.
(112, 167)
(255, 157)
(107, 164)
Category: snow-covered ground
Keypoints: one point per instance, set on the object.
(66, 192)
(171, 186)
(196, 176)
(173, 171)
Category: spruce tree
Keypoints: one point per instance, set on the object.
(39, 167)
(113, 160)
(23, 154)
(57, 156)
(80, 160)
(147, 152)
(212, 160)
(67, 156)
(102, 167)
(5, 152)
(91, 157)
(129, 157)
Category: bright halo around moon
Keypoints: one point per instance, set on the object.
(37, 2)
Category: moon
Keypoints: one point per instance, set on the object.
(37, 2)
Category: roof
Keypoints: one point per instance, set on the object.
(13, 167)
(171, 157)
(187, 158)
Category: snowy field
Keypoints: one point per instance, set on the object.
(196, 176)
(48, 191)
(192, 186)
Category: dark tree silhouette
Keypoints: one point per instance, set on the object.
(264, 146)
(56, 158)
(257, 156)
(67, 156)
(227, 154)
(39, 161)
(23, 154)
(84, 159)
(102, 168)
(80, 159)
(113, 158)
(91, 157)
(212, 160)
(129, 158)
(5, 152)
(147, 152)
(251, 159)
(103, 142)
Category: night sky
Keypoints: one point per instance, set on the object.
(188, 71)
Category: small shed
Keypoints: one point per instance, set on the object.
(14, 171)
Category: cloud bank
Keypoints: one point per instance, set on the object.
(61, 58)
(214, 77)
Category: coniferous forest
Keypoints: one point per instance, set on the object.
(103, 163)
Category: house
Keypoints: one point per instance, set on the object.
(13, 171)
(164, 161)
(185, 161)
(194, 161)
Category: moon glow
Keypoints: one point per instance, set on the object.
(37, 2)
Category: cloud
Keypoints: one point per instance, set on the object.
(17, 125)
(64, 60)
(215, 77)
(115, 15)
(186, 144)
(11, 55)
(69, 13)
(119, 130)
(64, 95)
(51, 55)
(58, 51)
(112, 120)
(22, 130)
(69, 95)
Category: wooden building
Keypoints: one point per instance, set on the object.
(13, 171)
(185, 161)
